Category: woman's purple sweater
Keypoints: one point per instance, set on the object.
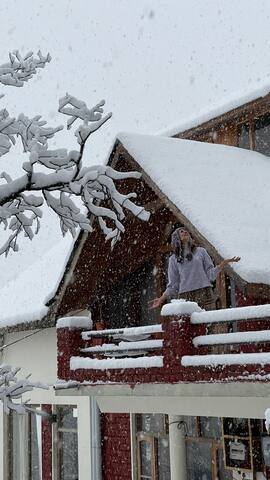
(190, 275)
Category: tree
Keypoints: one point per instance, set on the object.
(54, 178)
(12, 389)
(57, 177)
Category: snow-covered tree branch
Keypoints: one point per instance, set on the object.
(21, 69)
(56, 176)
(12, 389)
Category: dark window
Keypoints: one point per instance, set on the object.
(243, 136)
(126, 303)
(236, 426)
(255, 135)
(262, 134)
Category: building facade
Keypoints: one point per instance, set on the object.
(158, 417)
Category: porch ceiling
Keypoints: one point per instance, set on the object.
(243, 400)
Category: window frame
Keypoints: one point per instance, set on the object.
(250, 121)
(56, 450)
(24, 445)
(152, 438)
(148, 438)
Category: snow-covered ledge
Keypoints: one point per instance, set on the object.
(256, 312)
(180, 307)
(75, 322)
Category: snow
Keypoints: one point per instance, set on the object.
(228, 103)
(232, 314)
(180, 307)
(225, 359)
(112, 363)
(231, 338)
(24, 298)
(127, 332)
(222, 190)
(124, 346)
(74, 322)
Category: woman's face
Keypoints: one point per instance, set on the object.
(184, 235)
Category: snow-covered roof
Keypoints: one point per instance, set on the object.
(24, 298)
(223, 191)
(237, 99)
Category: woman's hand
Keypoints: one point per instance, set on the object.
(229, 260)
(156, 303)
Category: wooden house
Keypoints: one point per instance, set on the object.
(224, 209)
(168, 410)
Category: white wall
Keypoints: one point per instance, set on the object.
(38, 355)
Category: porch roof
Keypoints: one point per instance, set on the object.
(223, 191)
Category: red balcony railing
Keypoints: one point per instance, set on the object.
(181, 348)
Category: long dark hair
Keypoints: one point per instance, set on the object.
(178, 248)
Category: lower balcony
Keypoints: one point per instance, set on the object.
(189, 345)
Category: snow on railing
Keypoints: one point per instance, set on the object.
(124, 346)
(232, 338)
(231, 314)
(168, 352)
(125, 332)
(77, 363)
(128, 342)
(226, 359)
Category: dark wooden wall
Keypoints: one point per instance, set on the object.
(99, 266)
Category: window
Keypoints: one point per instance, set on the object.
(153, 457)
(255, 134)
(211, 427)
(204, 449)
(24, 447)
(203, 465)
(243, 136)
(262, 134)
(66, 443)
(126, 303)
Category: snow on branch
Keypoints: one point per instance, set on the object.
(21, 69)
(57, 177)
(12, 389)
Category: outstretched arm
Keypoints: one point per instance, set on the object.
(172, 287)
(225, 262)
(213, 271)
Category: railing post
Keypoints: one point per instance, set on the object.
(177, 343)
(69, 343)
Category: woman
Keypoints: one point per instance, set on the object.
(190, 272)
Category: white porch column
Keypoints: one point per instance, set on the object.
(84, 438)
(177, 449)
(96, 460)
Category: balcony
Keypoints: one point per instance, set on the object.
(184, 347)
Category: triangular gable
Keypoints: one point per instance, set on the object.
(222, 191)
